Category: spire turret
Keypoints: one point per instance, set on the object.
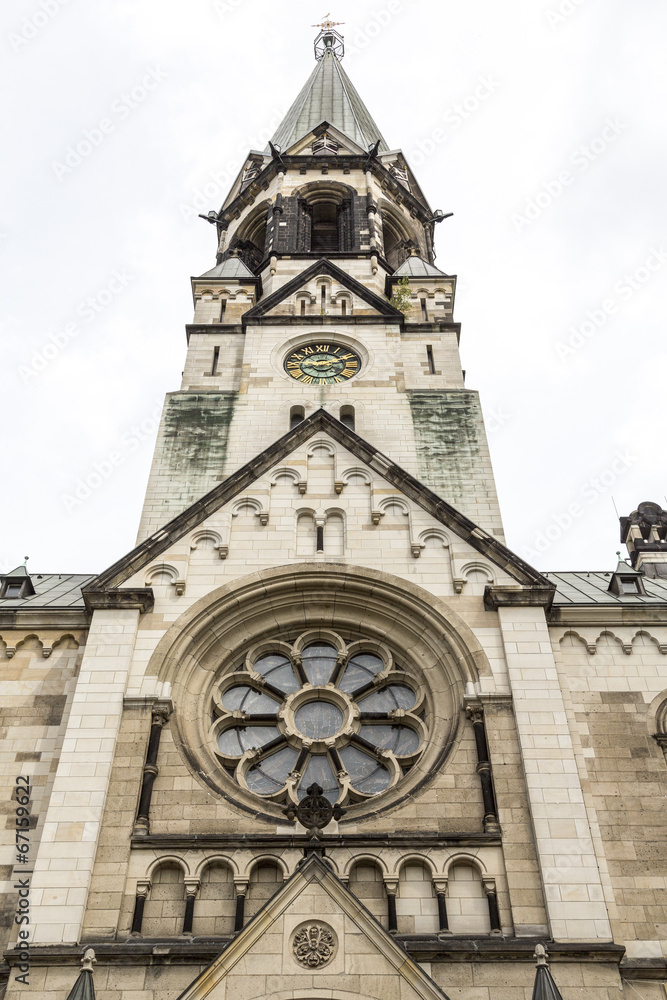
(329, 96)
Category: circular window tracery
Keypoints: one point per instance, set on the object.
(320, 710)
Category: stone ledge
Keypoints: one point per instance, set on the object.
(511, 597)
(183, 951)
(177, 841)
(140, 599)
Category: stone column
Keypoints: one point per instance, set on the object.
(476, 715)
(241, 886)
(572, 887)
(492, 900)
(64, 863)
(191, 889)
(391, 886)
(159, 718)
(143, 888)
(440, 886)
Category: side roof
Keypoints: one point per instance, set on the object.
(53, 591)
(593, 588)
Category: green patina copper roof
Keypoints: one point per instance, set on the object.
(415, 267)
(329, 96)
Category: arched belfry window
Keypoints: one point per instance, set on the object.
(325, 223)
(397, 241)
(250, 238)
(325, 236)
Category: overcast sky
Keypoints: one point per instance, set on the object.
(539, 124)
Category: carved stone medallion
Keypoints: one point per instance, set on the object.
(314, 945)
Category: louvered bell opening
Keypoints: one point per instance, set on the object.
(325, 236)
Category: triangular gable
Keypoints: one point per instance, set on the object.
(244, 477)
(314, 897)
(322, 266)
(345, 143)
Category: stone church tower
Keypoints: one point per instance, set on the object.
(321, 735)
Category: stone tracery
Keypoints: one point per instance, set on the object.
(318, 710)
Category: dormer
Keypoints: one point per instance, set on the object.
(16, 585)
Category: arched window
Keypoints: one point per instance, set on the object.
(251, 238)
(367, 884)
(215, 905)
(165, 905)
(347, 416)
(325, 223)
(334, 535)
(296, 415)
(397, 241)
(324, 236)
(467, 906)
(416, 904)
(265, 879)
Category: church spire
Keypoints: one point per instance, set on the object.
(329, 96)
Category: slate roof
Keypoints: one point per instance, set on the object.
(592, 588)
(233, 267)
(329, 95)
(415, 267)
(52, 590)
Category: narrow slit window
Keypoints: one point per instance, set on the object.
(223, 306)
(347, 416)
(424, 311)
(324, 295)
(303, 307)
(343, 307)
(320, 538)
(216, 357)
(429, 357)
(296, 415)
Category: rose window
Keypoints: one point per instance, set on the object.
(321, 710)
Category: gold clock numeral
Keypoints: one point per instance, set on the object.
(307, 378)
(348, 372)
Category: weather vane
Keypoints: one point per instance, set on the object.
(327, 25)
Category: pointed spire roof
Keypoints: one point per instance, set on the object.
(84, 988)
(544, 987)
(329, 96)
(232, 267)
(416, 267)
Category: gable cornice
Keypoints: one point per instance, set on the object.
(322, 266)
(479, 539)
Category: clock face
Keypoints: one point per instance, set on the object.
(322, 364)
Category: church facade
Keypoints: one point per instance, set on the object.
(321, 734)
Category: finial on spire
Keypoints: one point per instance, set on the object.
(326, 24)
(329, 40)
